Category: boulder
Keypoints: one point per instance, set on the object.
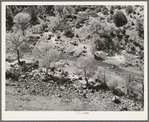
(37, 29)
(100, 55)
(118, 92)
(62, 88)
(116, 99)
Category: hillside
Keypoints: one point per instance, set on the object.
(75, 58)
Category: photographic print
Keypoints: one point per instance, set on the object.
(75, 57)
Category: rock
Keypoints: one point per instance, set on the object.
(34, 37)
(23, 76)
(118, 92)
(124, 109)
(75, 86)
(62, 88)
(85, 47)
(84, 86)
(84, 51)
(112, 67)
(100, 55)
(37, 29)
(80, 78)
(116, 99)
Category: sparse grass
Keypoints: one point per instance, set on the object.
(135, 87)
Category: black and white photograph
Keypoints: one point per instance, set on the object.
(75, 57)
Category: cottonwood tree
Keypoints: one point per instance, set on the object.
(22, 21)
(46, 53)
(16, 41)
(18, 38)
(84, 63)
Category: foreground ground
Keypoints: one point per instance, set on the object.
(56, 96)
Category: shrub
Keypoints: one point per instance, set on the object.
(105, 11)
(33, 12)
(82, 16)
(118, 7)
(135, 87)
(104, 42)
(140, 28)
(9, 18)
(95, 26)
(93, 13)
(129, 9)
(119, 19)
(112, 10)
(59, 9)
(50, 10)
(69, 9)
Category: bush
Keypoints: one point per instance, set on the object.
(129, 9)
(69, 9)
(140, 28)
(104, 42)
(93, 14)
(95, 26)
(112, 10)
(50, 10)
(9, 18)
(82, 16)
(119, 19)
(135, 87)
(105, 11)
(33, 12)
(59, 9)
(13, 73)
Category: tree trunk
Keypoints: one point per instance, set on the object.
(104, 75)
(47, 70)
(18, 53)
(85, 76)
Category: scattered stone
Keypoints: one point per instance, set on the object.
(84, 95)
(85, 47)
(36, 84)
(84, 86)
(84, 51)
(80, 78)
(112, 67)
(124, 109)
(62, 88)
(75, 86)
(23, 76)
(116, 99)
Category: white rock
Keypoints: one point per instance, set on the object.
(100, 55)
